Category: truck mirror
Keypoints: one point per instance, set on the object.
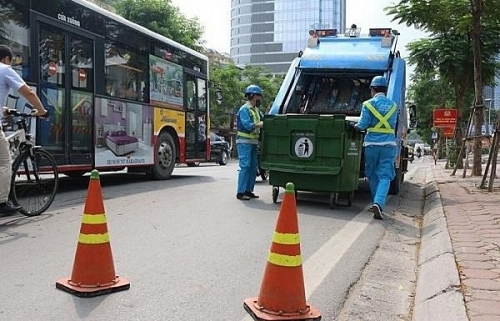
(413, 115)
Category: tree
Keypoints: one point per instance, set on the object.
(164, 18)
(231, 82)
(428, 92)
(446, 57)
(452, 22)
(226, 80)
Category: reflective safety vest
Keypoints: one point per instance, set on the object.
(255, 133)
(383, 125)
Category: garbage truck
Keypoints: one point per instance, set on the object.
(306, 138)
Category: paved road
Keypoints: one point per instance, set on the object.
(190, 250)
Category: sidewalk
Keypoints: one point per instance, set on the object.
(472, 223)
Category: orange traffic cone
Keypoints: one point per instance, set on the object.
(93, 268)
(282, 294)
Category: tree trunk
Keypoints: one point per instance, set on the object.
(476, 6)
(459, 132)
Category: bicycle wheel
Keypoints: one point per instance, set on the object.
(34, 181)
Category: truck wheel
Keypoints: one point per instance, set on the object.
(275, 194)
(333, 200)
(263, 174)
(165, 157)
(350, 196)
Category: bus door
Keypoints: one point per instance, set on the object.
(66, 78)
(197, 123)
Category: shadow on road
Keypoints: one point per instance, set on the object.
(73, 191)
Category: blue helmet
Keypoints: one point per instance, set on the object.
(378, 81)
(253, 90)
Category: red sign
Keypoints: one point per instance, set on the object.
(52, 68)
(445, 117)
(448, 132)
(82, 74)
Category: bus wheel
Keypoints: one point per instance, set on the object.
(165, 157)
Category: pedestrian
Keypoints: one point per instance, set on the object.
(378, 119)
(249, 121)
(9, 79)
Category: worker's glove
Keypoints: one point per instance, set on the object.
(352, 124)
(259, 124)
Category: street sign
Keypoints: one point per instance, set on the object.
(448, 132)
(445, 117)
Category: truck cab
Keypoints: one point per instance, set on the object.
(333, 74)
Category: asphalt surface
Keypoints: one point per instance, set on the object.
(432, 260)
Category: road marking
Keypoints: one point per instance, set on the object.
(324, 260)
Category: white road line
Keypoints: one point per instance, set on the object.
(324, 260)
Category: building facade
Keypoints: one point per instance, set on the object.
(492, 95)
(270, 33)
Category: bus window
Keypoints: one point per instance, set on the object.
(14, 32)
(191, 94)
(125, 72)
(82, 64)
(202, 95)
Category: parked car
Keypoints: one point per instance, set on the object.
(219, 150)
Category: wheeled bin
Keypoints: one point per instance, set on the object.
(318, 153)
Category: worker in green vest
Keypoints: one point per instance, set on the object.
(378, 119)
(248, 122)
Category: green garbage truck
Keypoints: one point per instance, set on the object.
(308, 137)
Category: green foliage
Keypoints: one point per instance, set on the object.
(162, 17)
(449, 49)
(231, 81)
(462, 49)
(428, 92)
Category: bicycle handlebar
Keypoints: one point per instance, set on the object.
(16, 113)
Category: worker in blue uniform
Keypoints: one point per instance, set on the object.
(248, 122)
(378, 119)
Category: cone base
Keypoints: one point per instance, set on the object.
(260, 314)
(87, 291)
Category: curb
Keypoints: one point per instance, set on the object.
(438, 295)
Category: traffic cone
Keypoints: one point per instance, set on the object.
(93, 268)
(282, 294)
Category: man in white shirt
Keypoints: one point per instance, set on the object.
(9, 79)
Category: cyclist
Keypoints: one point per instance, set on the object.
(9, 79)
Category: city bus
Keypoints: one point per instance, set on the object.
(119, 95)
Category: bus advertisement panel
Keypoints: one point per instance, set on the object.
(165, 83)
(124, 134)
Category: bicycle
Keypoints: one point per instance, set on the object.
(35, 178)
